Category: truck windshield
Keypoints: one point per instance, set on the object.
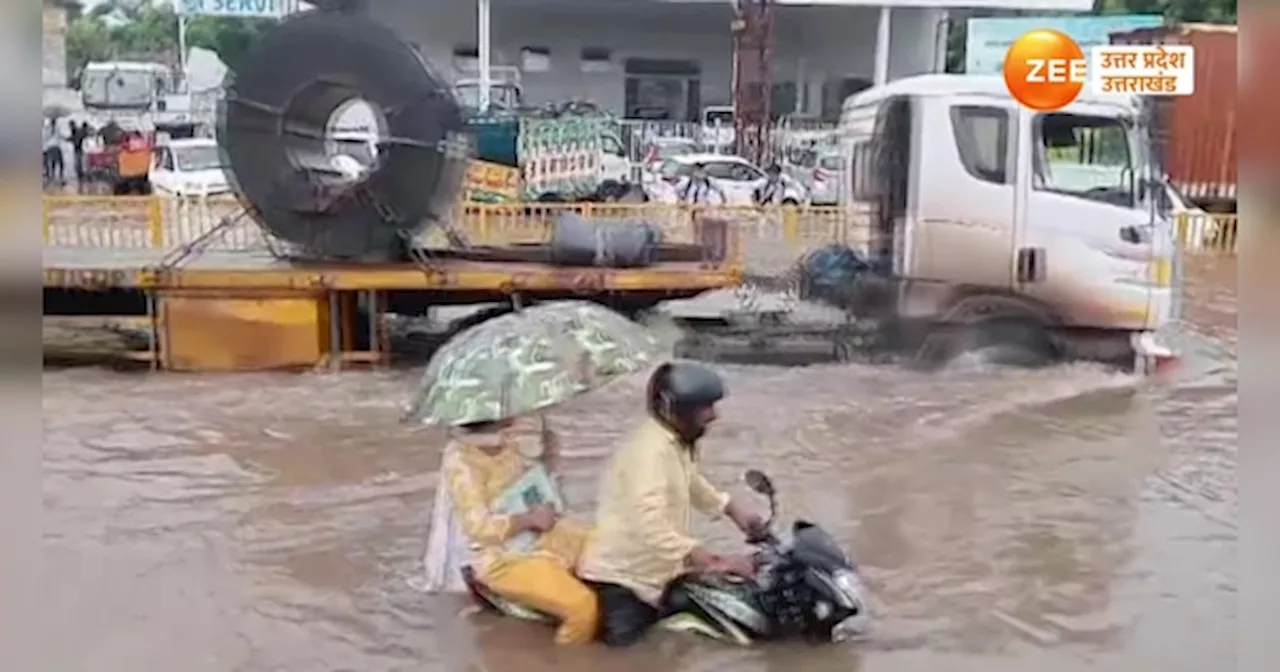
(1086, 156)
(119, 88)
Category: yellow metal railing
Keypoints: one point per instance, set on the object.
(1207, 233)
(158, 222)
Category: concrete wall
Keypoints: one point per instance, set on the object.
(814, 45)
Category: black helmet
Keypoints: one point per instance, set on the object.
(679, 388)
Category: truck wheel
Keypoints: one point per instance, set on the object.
(1005, 342)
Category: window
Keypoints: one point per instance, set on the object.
(200, 157)
(783, 99)
(596, 60)
(673, 169)
(723, 170)
(466, 58)
(1085, 156)
(742, 172)
(982, 139)
(611, 145)
(535, 59)
(166, 159)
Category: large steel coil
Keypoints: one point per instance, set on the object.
(272, 132)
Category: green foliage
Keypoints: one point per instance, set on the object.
(148, 30)
(1174, 11)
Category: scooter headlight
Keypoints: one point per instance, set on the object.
(851, 589)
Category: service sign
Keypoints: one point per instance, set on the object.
(262, 9)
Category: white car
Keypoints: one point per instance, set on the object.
(824, 180)
(737, 177)
(191, 167)
(659, 149)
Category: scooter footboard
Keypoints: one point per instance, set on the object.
(714, 605)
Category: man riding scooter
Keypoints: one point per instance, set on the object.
(643, 537)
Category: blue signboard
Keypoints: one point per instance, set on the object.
(273, 9)
(988, 39)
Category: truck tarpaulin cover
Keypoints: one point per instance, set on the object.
(272, 125)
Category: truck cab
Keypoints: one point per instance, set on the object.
(997, 225)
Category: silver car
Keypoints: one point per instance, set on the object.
(823, 181)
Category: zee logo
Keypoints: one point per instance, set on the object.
(1045, 70)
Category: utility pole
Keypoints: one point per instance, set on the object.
(752, 29)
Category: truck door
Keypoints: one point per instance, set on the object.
(1086, 242)
(892, 151)
(963, 231)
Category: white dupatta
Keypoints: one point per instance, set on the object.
(448, 549)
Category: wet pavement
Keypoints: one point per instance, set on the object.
(1062, 519)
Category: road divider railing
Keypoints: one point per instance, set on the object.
(165, 222)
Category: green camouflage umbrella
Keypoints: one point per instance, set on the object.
(529, 360)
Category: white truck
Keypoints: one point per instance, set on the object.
(141, 93)
(993, 225)
(561, 156)
(1032, 237)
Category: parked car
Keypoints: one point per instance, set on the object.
(737, 177)
(658, 150)
(823, 180)
(189, 167)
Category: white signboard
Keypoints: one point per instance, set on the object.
(272, 9)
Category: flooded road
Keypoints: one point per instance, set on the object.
(1052, 520)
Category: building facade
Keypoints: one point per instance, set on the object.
(668, 59)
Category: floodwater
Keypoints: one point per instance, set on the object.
(1063, 519)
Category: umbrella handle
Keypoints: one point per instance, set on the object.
(553, 474)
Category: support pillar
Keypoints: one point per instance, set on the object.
(485, 54)
(882, 47)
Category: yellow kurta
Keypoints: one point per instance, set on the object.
(477, 470)
(476, 478)
(644, 520)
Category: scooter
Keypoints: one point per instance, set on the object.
(807, 589)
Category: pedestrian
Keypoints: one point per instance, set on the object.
(79, 133)
(52, 153)
(699, 189)
(772, 191)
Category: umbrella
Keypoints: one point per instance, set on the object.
(529, 360)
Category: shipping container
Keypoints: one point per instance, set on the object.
(1195, 135)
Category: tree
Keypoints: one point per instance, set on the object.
(148, 30)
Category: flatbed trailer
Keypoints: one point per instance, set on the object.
(209, 308)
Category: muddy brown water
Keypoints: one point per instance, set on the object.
(1062, 519)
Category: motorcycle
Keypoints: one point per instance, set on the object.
(806, 589)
